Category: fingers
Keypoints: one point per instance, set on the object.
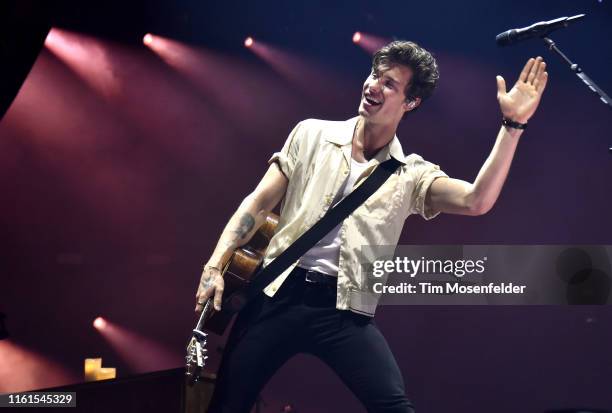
(525, 72)
(540, 78)
(201, 298)
(211, 284)
(533, 70)
(541, 68)
(535, 67)
(205, 291)
(501, 85)
(218, 296)
(541, 82)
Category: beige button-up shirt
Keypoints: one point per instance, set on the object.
(316, 160)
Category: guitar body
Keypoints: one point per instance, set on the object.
(238, 273)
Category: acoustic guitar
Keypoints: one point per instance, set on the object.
(238, 273)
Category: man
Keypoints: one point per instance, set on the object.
(315, 306)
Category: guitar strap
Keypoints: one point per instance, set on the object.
(315, 233)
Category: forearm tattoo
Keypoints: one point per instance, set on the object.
(246, 225)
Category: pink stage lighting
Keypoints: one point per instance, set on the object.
(147, 39)
(248, 42)
(139, 352)
(318, 82)
(23, 369)
(233, 87)
(99, 323)
(88, 57)
(369, 42)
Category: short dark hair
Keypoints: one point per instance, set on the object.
(424, 67)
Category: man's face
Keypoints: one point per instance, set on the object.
(382, 99)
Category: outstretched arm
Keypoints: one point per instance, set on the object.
(456, 196)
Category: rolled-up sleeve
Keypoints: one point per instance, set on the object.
(423, 173)
(288, 155)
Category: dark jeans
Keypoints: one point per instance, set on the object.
(302, 318)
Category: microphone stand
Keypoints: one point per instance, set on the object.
(576, 69)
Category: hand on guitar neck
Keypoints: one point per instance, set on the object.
(211, 285)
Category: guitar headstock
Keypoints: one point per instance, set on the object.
(196, 358)
(196, 349)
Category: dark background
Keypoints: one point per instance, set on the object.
(111, 202)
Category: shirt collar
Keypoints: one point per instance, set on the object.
(342, 135)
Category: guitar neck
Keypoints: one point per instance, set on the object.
(208, 306)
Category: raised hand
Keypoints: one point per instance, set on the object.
(521, 102)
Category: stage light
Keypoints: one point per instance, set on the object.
(369, 42)
(140, 353)
(248, 42)
(99, 323)
(90, 58)
(147, 39)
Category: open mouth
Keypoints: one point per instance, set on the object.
(372, 102)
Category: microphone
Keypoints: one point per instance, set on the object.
(540, 29)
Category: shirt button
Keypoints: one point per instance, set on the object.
(345, 173)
